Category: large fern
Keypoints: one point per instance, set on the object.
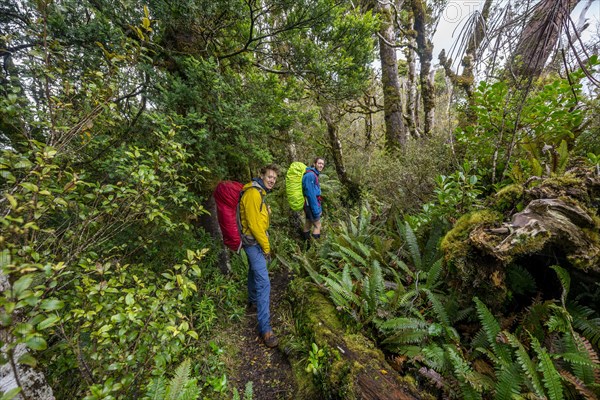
(527, 364)
(491, 327)
(583, 320)
(550, 375)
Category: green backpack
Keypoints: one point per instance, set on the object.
(293, 185)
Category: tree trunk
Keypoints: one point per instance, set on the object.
(411, 102)
(470, 59)
(395, 132)
(539, 37)
(425, 52)
(331, 118)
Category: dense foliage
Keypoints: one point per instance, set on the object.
(118, 118)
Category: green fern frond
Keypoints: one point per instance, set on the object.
(471, 384)
(351, 256)
(377, 283)
(434, 357)
(438, 307)
(587, 370)
(157, 388)
(492, 328)
(364, 249)
(401, 264)
(248, 391)
(565, 280)
(405, 336)
(314, 275)
(527, 365)
(581, 387)
(431, 251)
(413, 246)
(589, 327)
(179, 380)
(401, 323)
(434, 273)
(520, 280)
(508, 383)
(550, 375)
(191, 391)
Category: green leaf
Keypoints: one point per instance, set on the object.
(28, 359)
(36, 343)
(30, 186)
(11, 394)
(22, 284)
(48, 322)
(52, 304)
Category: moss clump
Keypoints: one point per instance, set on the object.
(455, 244)
(509, 197)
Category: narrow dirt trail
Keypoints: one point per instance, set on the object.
(267, 369)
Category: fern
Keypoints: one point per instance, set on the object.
(438, 307)
(248, 391)
(179, 380)
(413, 245)
(550, 375)
(581, 388)
(434, 274)
(377, 285)
(471, 384)
(565, 280)
(582, 357)
(491, 327)
(157, 388)
(527, 365)
(589, 327)
(508, 383)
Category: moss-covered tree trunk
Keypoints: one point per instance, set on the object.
(355, 368)
(425, 52)
(331, 118)
(395, 131)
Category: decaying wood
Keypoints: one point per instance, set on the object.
(361, 366)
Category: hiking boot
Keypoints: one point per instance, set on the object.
(270, 339)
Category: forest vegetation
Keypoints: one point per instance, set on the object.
(460, 256)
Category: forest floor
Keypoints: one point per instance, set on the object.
(268, 369)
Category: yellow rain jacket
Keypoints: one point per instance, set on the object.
(255, 216)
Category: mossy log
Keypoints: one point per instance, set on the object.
(356, 369)
(558, 224)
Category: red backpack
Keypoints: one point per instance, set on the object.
(227, 197)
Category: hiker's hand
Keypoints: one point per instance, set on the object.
(268, 257)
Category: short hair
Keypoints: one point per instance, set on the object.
(317, 159)
(272, 167)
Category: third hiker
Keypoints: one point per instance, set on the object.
(311, 189)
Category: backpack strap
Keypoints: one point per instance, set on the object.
(314, 173)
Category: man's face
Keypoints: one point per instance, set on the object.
(269, 179)
(320, 164)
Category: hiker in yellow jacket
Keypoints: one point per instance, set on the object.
(254, 220)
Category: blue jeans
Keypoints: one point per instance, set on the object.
(259, 286)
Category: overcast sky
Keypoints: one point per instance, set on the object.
(458, 11)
